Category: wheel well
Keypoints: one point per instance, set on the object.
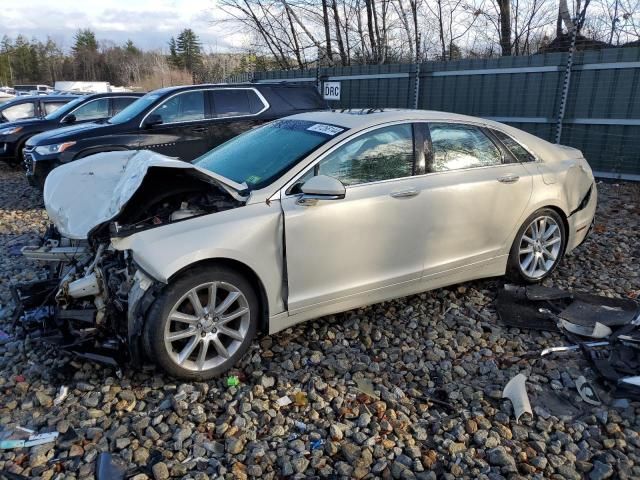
(244, 270)
(565, 222)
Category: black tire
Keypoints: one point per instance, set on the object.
(158, 316)
(515, 272)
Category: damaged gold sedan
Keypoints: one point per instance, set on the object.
(183, 264)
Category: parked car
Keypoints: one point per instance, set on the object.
(81, 109)
(182, 122)
(36, 106)
(303, 217)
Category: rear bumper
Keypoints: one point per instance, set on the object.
(581, 221)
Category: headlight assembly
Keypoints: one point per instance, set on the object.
(55, 148)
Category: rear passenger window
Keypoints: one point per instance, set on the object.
(184, 107)
(517, 150)
(233, 103)
(17, 112)
(457, 147)
(94, 110)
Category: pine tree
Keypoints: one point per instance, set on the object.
(188, 51)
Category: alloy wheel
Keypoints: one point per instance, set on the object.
(207, 325)
(539, 247)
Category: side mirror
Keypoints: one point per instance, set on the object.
(321, 187)
(69, 119)
(151, 120)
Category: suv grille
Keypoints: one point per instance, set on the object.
(27, 154)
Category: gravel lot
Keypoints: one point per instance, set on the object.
(446, 343)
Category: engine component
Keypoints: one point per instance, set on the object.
(84, 287)
(185, 212)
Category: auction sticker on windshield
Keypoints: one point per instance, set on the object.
(326, 129)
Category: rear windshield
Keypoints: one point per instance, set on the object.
(260, 156)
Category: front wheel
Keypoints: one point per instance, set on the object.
(538, 247)
(202, 324)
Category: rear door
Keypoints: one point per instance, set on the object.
(235, 111)
(184, 131)
(473, 195)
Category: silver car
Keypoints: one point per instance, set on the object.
(306, 216)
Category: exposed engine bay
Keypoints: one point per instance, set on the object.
(96, 298)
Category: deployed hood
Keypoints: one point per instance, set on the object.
(86, 193)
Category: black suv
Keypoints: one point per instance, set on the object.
(86, 108)
(32, 106)
(183, 122)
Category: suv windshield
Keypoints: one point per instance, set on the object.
(260, 156)
(66, 108)
(135, 109)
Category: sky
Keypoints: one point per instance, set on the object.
(149, 23)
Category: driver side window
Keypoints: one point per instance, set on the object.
(381, 154)
(93, 110)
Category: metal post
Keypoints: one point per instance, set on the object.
(567, 82)
(416, 92)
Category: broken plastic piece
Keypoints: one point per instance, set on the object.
(633, 381)
(587, 392)
(14, 440)
(598, 330)
(107, 468)
(570, 348)
(63, 392)
(233, 381)
(365, 386)
(516, 391)
(284, 401)
(316, 444)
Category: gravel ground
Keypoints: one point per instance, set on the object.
(446, 344)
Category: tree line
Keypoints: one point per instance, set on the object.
(303, 33)
(89, 59)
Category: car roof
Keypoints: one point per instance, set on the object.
(110, 94)
(369, 117)
(209, 86)
(30, 98)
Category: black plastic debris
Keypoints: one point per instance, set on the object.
(581, 318)
(109, 468)
(541, 308)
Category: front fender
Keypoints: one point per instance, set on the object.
(251, 235)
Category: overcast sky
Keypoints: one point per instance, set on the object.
(149, 23)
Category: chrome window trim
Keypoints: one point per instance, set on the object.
(265, 104)
(341, 143)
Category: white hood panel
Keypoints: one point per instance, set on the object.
(85, 193)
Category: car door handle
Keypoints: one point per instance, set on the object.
(509, 178)
(405, 193)
(199, 129)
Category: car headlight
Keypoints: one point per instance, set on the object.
(10, 130)
(55, 148)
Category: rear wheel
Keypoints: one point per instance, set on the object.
(202, 324)
(538, 247)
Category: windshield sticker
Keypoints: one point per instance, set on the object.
(326, 129)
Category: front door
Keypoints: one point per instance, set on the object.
(184, 131)
(366, 242)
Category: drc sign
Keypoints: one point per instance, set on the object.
(331, 91)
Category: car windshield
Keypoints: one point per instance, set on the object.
(135, 109)
(260, 156)
(62, 111)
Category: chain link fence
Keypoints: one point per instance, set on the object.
(590, 101)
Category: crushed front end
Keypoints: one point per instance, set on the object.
(92, 305)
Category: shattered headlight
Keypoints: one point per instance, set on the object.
(55, 148)
(10, 130)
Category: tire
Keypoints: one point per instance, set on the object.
(176, 346)
(532, 259)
